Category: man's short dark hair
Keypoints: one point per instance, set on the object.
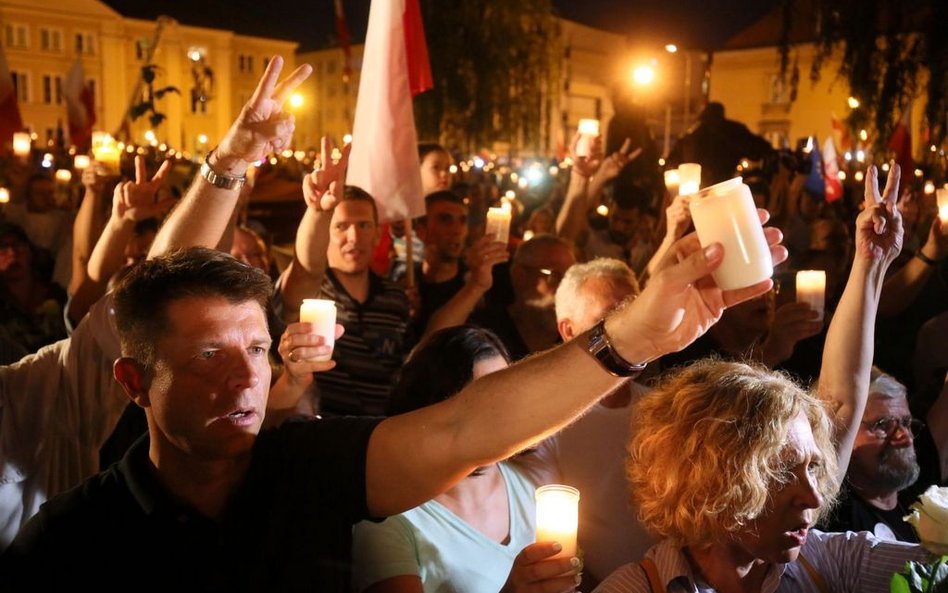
(426, 148)
(142, 297)
(355, 193)
(443, 195)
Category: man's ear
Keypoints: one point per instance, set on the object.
(565, 327)
(134, 379)
(421, 230)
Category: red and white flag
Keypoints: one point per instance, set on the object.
(834, 187)
(900, 142)
(80, 107)
(10, 120)
(840, 133)
(384, 158)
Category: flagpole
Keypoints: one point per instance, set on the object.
(409, 255)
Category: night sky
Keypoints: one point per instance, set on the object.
(697, 24)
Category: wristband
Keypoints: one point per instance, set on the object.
(929, 261)
(218, 180)
(600, 348)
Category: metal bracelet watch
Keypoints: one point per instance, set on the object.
(218, 180)
(600, 348)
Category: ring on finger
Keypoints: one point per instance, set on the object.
(292, 356)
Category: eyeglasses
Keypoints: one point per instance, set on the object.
(885, 426)
(551, 276)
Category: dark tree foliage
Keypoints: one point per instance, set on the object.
(494, 63)
(892, 51)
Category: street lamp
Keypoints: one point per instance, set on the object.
(643, 75)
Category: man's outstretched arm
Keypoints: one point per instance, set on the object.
(415, 456)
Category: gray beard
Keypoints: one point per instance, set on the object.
(898, 468)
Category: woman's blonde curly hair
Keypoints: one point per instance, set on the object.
(706, 449)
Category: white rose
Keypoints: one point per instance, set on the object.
(930, 519)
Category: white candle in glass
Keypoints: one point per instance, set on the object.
(811, 289)
(322, 314)
(689, 178)
(725, 213)
(80, 162)
(558, 517)
(942, 195)
(22, 144)
(672, 181)
(498, 224)
(588, 130)
(4, 195)
(106, 152)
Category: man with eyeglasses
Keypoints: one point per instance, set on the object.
(894, 459)
(528, 324)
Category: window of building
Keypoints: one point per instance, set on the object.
(141, 49)
(17, 36)
(245, 64)
(21, 84)
(51, 39)
(47, 89)
(58, 88)
(85, 44)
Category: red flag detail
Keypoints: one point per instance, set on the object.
(901, 143)
(342, 31)
(841, 133)
(833, 186)
(10, 120)
(80, 108)
(419, 68)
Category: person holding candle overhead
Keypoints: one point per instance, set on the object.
(472, 536)
(449, 266)
(207, 500)
(733, 464)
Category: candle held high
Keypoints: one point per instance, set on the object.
(942, 196)
(689, 178)
(811, 289)
(498, 224)
(588, 131)
(725, 213)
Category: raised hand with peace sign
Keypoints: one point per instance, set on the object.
(262, 126)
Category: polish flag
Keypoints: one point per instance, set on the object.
(841, 133)
(10, 120)
(384, 158)
(901, 142)
(834, 188)
(80, 107)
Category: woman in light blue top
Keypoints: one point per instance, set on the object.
(476, 537)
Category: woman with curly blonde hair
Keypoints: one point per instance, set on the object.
(733, 464)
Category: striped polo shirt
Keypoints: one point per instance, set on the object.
(369, 353)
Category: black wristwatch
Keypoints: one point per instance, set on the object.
(601, 349)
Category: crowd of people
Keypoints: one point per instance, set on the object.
(167, 421)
